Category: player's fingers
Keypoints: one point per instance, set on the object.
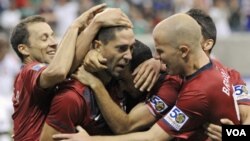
(125, 18)
(98, 8)
(214, 127)
(214, 130)
(137, 74)
(147, 82)
(213, 137)
(124, 23)
(79, 128)
(226, 121)
(102, 62)
(163, 68)
(94, 65)
(86, 62)
(155, 78)
(102, 67)
(144, 74)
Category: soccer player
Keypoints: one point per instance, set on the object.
(178, 45)
(241, 92)
(164, 93)
(74, 103)
(43, 67)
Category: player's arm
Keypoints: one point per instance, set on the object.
(156, 133)
(215, 131)
(108, 17)
(245, 114)
(60, 66)
(119, 121)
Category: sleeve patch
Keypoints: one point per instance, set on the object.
(241, 92)
(176, 118)
(158, 104)
(37, 67)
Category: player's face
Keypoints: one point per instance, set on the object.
(42, 43)
(119, 51)
(168, 54)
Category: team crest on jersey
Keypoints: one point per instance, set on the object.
(176, 118)
(158, 104)
(241, 92)
(37, 67)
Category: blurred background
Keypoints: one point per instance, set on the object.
(232, 19)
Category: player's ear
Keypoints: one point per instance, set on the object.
(23, 49)
(97, 45)
(184, 50)
(207, 45)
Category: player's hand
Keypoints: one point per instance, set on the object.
(82, 135)
(146, 74)
(86, 78)
(215, 131)
(112, 17)
(94, 61)
(85, 18)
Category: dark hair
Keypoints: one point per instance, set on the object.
(107, 34)
(208, 28)
(141, 53)
(20, 34)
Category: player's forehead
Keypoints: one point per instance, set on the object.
(39, 28)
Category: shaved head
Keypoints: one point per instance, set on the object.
(179, 29)
(178, 44)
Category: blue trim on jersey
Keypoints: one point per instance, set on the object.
(207, 66)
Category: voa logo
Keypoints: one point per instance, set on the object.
(236, 132)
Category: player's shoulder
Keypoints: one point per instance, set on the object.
(33, 66)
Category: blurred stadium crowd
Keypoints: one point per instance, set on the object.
(229, 15)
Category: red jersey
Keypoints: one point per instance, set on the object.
(200, 101)
(31, 103)
(164, 95)
(74, 104)
(240, 89)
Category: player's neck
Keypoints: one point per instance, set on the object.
(196, 62)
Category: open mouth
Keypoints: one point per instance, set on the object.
(120, 66)
(52, 52)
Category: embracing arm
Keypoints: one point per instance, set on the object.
(59, 67)
(156, 133)
(120, 122)
(61, 64)
(245, 114)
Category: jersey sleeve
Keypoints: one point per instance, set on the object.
(187, 115)
(65, 111)
(240, 89)
(31, 76)
(241, 94)
(165, 97)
